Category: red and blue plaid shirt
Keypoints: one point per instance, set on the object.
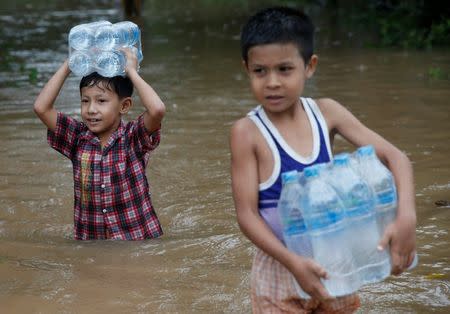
(111, 189)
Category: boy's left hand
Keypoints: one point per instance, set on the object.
(401, 237)
(132, 62)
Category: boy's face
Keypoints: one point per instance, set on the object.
(101, 110)
(277, 75)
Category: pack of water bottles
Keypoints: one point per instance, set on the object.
(95, 47)
(336, 214)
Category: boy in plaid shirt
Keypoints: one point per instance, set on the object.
(109, 156)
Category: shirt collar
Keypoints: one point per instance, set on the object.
(87, 135)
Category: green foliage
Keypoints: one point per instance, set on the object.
(10, 63)
(398, 32)
(412, 24)
(6, 60)
(440, 33)
(33, 75)
(437, 73)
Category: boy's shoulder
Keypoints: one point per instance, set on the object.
(325, 103)
(243, 127)
(331, 109)
(244, 134)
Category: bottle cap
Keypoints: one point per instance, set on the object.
(366, 150)
(341, 159)
(311, 171)
(289, 176)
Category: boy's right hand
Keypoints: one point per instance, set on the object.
(308, 274)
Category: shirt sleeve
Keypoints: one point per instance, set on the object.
(64, 138)
(141, 140)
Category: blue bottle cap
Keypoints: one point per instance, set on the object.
(289, 176)
(366, 150)
(341, 159)
(312, 171)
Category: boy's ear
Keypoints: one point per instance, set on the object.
(311, 66)
(125, 105)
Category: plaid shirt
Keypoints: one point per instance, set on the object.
(111, 189)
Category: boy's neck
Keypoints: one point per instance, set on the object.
(289, 114)
(104, 138)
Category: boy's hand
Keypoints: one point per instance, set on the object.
(132, 62)
(155, 108)
(401, 236)
(308, 274)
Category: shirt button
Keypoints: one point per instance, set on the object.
(104, 211)
(103, 186)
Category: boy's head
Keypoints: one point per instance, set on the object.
(279, 25)
(103, 101)
(120, 85)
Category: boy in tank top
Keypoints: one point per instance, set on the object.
(289, 132)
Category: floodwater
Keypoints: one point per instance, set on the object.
(202, 263)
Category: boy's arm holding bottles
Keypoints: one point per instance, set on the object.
(401, 234)
(244, 172)
(43, 105)
(155, 108)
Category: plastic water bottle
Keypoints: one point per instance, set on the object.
(97, 47)
(295, 234)
(104, 37)
(382, 182)
(323, 213)
(290, 214)
(80, 63)
(128, 34)
(81, 37)
(111, 63)
(362, 233)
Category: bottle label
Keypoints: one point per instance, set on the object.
(294, 223)
(325, 219)
(360, 208)
(386, 196)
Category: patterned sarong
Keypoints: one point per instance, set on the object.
(273, 291)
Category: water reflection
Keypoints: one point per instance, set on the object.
(202, 263)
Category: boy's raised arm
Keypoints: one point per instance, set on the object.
(244, 175)
(155, 108)
(43, 106)
(401, 235)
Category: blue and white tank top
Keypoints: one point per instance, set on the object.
(286, 159)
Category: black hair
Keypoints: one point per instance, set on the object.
(121, 85)
(279, 25)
